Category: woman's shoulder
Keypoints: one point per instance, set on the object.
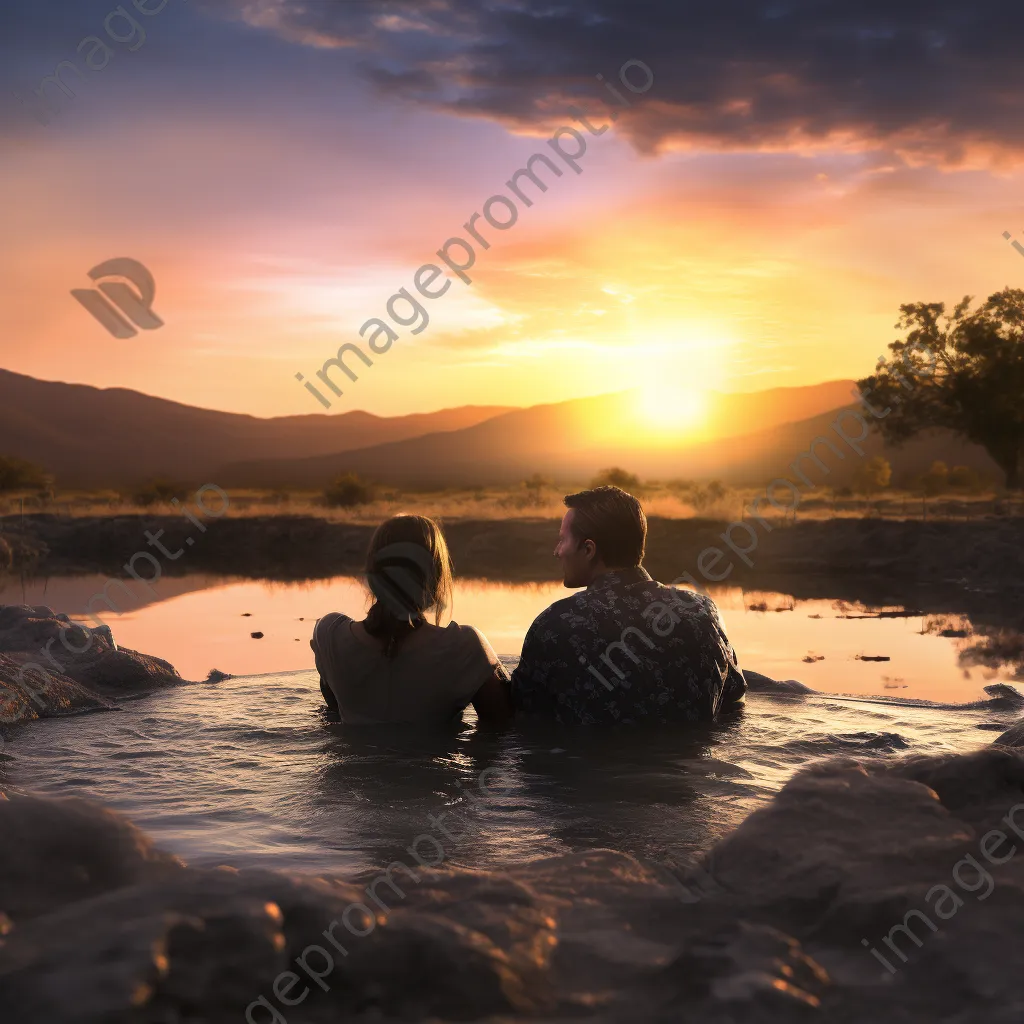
(457, 632)
(468, 639)
(327, 623)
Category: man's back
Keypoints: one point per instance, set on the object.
(627, 649)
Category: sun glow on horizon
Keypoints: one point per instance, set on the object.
(671, 414)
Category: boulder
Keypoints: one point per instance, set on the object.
(862, 893)
(1013, 737)
(40, 677)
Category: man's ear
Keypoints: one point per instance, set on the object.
(591, 549)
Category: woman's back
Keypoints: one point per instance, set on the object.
(429, 677)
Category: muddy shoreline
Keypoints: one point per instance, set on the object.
(964, 567)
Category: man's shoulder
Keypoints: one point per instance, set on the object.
(683, 597)
(556, 613)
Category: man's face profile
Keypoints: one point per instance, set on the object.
(575, 555)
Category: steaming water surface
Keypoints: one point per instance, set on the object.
(247, 771)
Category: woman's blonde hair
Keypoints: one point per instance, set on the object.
(409, 572)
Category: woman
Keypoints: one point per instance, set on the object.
(394, 666)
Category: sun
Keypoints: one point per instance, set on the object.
(670, 413)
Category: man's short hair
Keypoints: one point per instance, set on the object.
(614, 521)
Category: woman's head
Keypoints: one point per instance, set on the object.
(408, 569)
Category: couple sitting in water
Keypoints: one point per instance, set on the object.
(626, 649)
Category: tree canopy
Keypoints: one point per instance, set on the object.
(18, 474)
(873, 475)
(961, 370)
(616, 477)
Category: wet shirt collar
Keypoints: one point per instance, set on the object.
(619, 577)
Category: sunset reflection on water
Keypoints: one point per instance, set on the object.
(199, 623)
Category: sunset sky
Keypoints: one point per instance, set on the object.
(755, 219)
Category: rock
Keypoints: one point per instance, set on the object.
(1004, 696)
(1013, 737)
(766, 684)
(133, 935)
(27, 692)
(41, 678)
(823, 907)
(57, 852)
(256, 636)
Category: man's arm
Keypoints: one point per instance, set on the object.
(734, 686)
(529, 690)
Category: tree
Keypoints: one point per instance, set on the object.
(159, 490)
(872, 476)
(349, 490)
(537, 482)
(616, 477)
(935, 481)
(534, 486)
(717, 490)
(962, 371)
(17, 474)
(963, 478)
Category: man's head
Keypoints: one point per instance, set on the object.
(604, 528)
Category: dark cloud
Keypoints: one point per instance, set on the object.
(935, 80)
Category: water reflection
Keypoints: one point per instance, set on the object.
(841, 646)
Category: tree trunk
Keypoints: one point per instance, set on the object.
(1008, 458)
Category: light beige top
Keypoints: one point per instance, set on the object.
(432, 675)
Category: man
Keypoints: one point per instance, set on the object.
(626, 649)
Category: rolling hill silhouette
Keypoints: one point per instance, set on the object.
(107, 437)
(759, 436)
(111, 437)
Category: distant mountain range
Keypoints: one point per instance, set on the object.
(109, 437)
(566, 440)
(92, 437)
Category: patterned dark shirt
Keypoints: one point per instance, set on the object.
(627, 649)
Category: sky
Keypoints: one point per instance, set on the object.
(785, 176)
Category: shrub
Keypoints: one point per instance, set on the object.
(534, 488)
(159, 490)
(347, 491)
(18, 474)
(537, 482)
(703, 497)
(963, 478)
(935, 481)
(616, 477)
(872, 476)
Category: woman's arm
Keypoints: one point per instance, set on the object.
(319, 643)
(332, 701)
(493, 701)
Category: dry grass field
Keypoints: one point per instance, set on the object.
(662, 500)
